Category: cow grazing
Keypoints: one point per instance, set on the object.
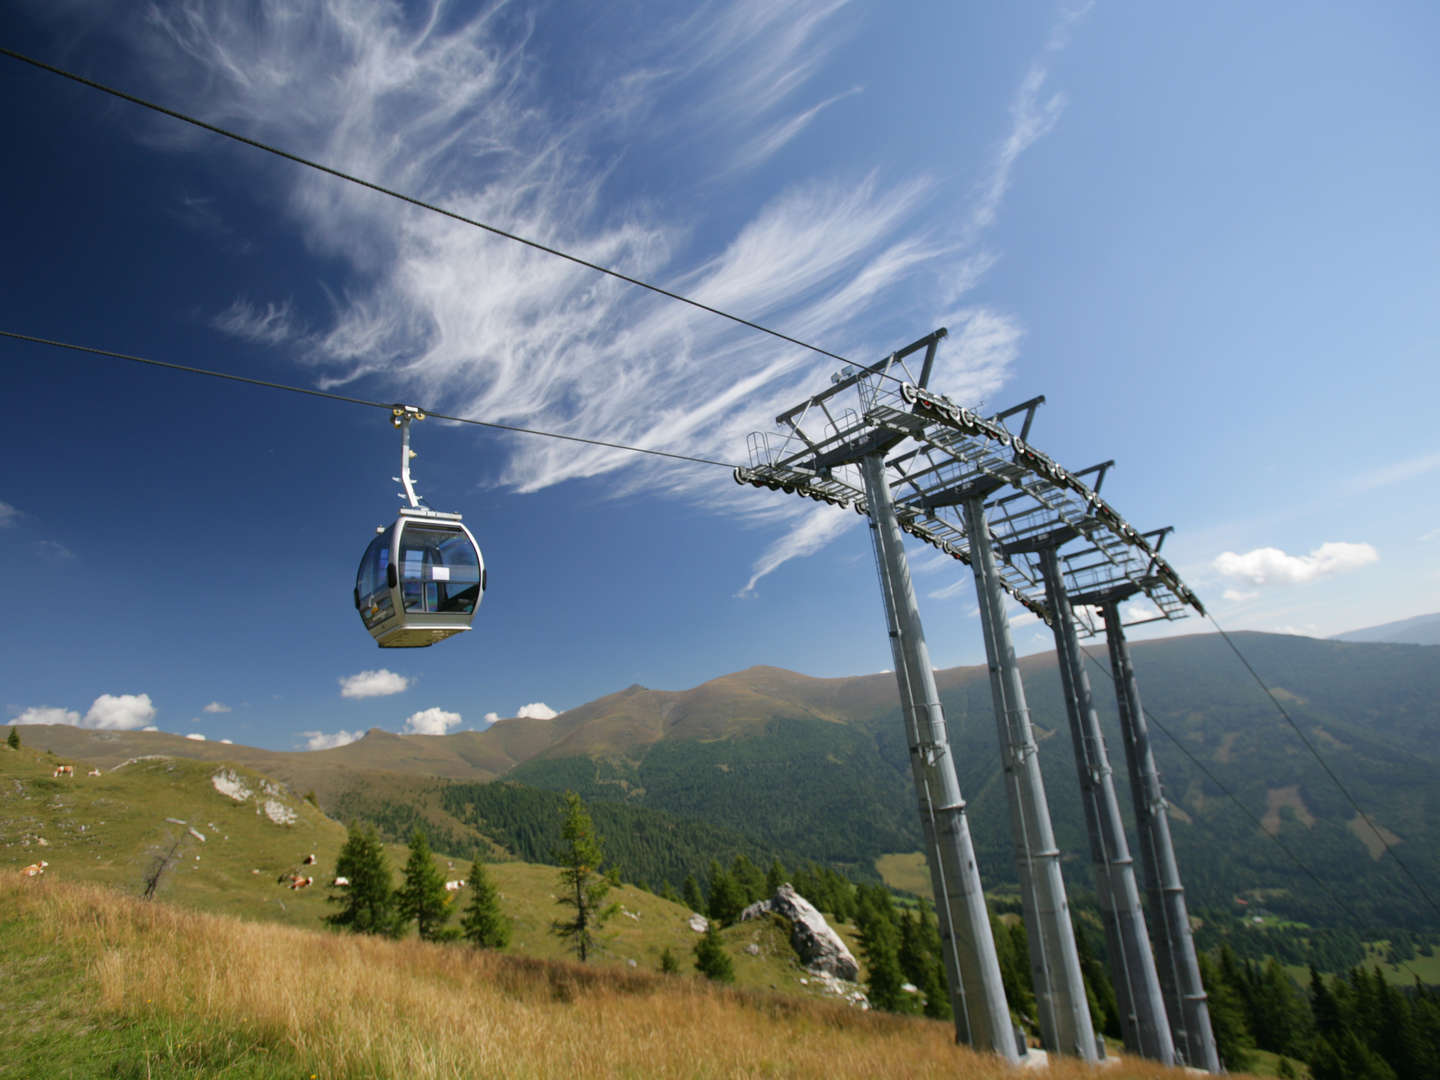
(454, 886)
(93, 772)
(309, 860)
(64, 770)
(298, 882)
(35, 869)
(340, 882)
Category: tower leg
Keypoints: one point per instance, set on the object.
(1132, 965)
(1174, 947)
(1065, 1024)
(982, 1016)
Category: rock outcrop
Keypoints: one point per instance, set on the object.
(819, 947)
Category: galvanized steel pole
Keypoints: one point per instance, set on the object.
(977, 995)
(1065, 1023)
(1132, 964)
(1174, 947)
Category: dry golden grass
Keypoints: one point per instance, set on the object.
(348, 1006)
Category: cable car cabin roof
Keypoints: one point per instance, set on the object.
(420, 580)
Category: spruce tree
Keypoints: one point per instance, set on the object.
(775, 876)
(727, 899)
(691, 894)
(711, 959)
(367, 904)
(484, 925)
(422, 898)
(582, 885)
(668, 964)
(13, 739)
(748, 879)
(880, 943)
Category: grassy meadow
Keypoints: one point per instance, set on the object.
(95, 983)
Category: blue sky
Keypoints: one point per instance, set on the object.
(1208, 236)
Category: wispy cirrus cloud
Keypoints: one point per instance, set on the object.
(8, 515)
(457, 110)
(1396, 473)
(269, 324)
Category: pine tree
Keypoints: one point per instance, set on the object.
(484, 925)
(668, 964)
(13, 739)
(711, 959)
(582, 885)
(422, 898)
(368, 902)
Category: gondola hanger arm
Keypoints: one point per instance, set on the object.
(401, 416)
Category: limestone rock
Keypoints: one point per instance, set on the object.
(699, 923)
(819, 947)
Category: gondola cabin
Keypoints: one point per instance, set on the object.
(420, 580)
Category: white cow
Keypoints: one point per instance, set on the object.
(454, 886)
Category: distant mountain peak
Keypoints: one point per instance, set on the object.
(1420, 630)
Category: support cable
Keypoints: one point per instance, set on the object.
(1340, 905)
(350, 178)
(1389, 849)
(271, 385)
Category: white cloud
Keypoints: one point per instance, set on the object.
(1271, 566)
(120, 712)
(149, 727)
(216, 707)
(272, 324)
(195, 736)
(430, 722)
(366, 684)
(492, 717)
(320, 740)
(48, 714)
(228, 742)
(1431, 535)
(536, 710)
(8, 515)
(1239, 596)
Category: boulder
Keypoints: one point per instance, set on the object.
(819, 947)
